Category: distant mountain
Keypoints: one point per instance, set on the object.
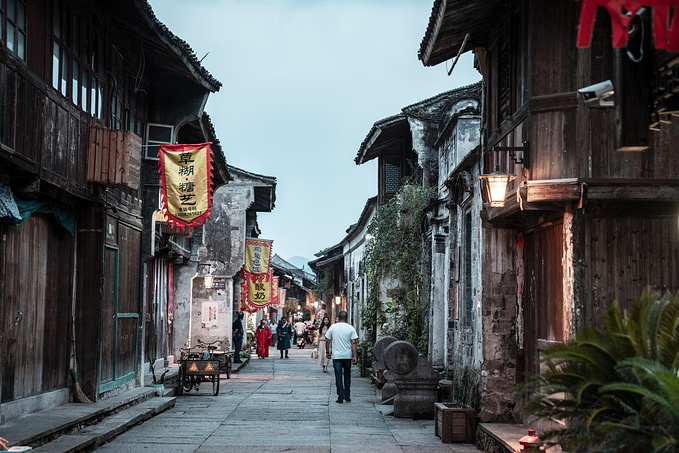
(299, 261)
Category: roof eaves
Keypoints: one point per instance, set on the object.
(445, 99)
(433, 27)
(374, 133)
(217, 151)
(267, 179)
(361, 220)
(179, 46)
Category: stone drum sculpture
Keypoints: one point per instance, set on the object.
(415, 378)
(389, 389)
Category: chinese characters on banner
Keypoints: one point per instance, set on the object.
(186, 183)
(257, 289)
(257, 255)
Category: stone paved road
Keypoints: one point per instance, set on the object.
(276, 405)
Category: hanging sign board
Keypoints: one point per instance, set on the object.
(186, 183)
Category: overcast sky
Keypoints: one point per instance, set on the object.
(303, 83)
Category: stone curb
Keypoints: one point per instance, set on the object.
(109, 428)
(46, 425)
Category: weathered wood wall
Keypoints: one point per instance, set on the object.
(36, 268)
(42, 129)
(624, 256)
(88, 300)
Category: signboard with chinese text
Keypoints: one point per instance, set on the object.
(259, 290)
(209, 315)
(186, 183)
(257, 255)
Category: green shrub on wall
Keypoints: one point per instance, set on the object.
(396, 252)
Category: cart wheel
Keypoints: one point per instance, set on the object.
(215, 385)
(188, 383)
(180, 381)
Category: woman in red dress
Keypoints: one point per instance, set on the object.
(263, 335)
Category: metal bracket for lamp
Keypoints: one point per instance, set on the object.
(523, 152)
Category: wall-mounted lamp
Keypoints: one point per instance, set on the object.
(208, 279)
(494, 186)
(338, 300)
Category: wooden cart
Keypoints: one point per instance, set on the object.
(197, 367)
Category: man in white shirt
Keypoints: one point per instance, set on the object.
(342, 339)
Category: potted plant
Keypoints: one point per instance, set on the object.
(456, 417)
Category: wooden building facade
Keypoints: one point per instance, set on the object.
(80, 82)
(592, 214)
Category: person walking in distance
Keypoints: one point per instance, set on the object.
(322, 359)
(263, 336)
(284, 336)
(341, 338)
(237, 330)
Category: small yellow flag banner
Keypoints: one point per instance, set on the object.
(257, 288)
(257, 255)
(186, 183)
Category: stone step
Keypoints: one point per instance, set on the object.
(108, 428)
(44, 426)
(504, 438)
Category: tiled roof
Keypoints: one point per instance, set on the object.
(270, 179)
(430, 109)
(181, 46)
(280, 263)
(381, 124)
(450, 21)
(370, 204)
(218, 152)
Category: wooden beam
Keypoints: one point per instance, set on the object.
(633, 192)
(552, 192)
(554, 102)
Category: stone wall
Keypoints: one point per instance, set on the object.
(499, 308)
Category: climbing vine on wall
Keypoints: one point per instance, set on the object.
(395, 253)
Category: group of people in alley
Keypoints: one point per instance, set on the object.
(334, 341)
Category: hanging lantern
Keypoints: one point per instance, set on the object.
(494, 188)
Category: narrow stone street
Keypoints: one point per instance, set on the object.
(282, 405)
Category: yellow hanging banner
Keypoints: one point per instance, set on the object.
(186, 183)
(257, 255)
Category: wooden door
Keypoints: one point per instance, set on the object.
(543, 294)
(120, 307)
(36, 272)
